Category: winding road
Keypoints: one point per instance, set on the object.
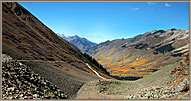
(62, 61)
(95, 71)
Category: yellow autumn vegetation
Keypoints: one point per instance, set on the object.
(121, 66)
(139, 62)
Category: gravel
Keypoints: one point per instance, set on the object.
(19, 82)
(177, 86)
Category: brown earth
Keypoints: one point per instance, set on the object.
(143, 54)
(170, 82)
(28, 40)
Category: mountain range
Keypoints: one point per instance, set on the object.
(39, 64)
(143, 54)
(28, 40)
(80, 43)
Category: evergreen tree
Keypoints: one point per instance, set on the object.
(91, 59)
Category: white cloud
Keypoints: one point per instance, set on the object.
(167, 5)
(151, 3)
(134, 9)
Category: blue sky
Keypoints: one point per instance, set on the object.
(102, 21)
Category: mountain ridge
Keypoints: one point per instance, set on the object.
(81, 43)
(49, 67)
(128, 57)
(25, 38)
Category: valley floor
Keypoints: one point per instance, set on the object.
(37, 79)
(171, 82)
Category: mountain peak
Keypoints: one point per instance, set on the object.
(80, 43)
(76, 35)
(25, 38)
(61, 35)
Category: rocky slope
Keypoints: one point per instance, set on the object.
(170, 82)
(82, 44)
(29, 41)
(143, 54)
(38, 64)
(19, 82)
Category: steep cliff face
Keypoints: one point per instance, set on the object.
(143, 54)
(28, 40)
